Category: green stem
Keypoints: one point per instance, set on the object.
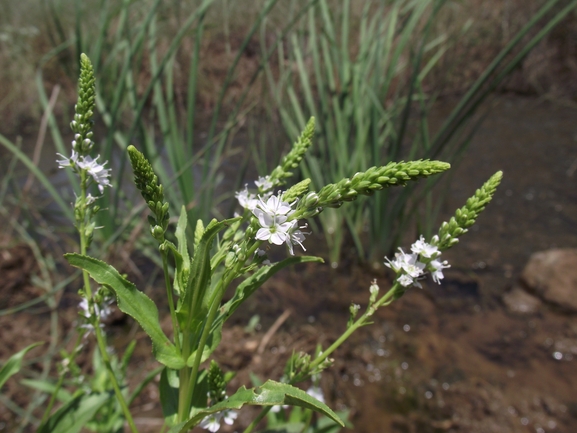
(81, 221)
(384, 300)
(188, 377)
(60, 382)
(170, 298)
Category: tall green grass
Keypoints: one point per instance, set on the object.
(365, 82)
(148, 64)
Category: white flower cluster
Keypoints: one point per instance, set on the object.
(94, 169)
(412, 267)
(212, 422)
(273, 218)
(102, 310)
(249, 200)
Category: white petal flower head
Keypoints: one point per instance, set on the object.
(67, 162)
(246, 199)
(211, 422)
(263, 183)
(273, 228)
(229, 416)
(296, 236)
(424, 249)
(275, 206)
(436, 267)
(407, 263)
(405, 280)
(96, 170)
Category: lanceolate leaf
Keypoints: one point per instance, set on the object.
(71, 417)
(14, 364)
(182, 265)
(134, 303)
(270, 394)
(199, 279)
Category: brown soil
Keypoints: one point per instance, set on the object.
(447, 358)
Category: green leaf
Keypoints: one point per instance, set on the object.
(191, 306)
(71, 417)
(47, 387)
(168, 388)
(134, 303)
(14, 364)
(270, 394)
(182, 262)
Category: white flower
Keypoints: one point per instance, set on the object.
(407, 263)
(424, 249)
(405, 280)
(246, 199)
(212, 422)
(229, 416)
(316, 392)
(296, 236)
(436, 267)
(263, 183)
(97, 171)
(274, 206)
(273, 228)
(67, 162)
(94, 169)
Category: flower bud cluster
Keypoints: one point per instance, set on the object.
(366, 183)
(84, 108)
(152, 192)
(217, 392)
(295, 156)
(465, 217)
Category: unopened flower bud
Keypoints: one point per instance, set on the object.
(157, 233)
(374, 289)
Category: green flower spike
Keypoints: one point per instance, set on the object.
(216, 383)
(296, 191)
(147, 183)
(366, 183)
(466, 216)
(84, 108)
(295, 156)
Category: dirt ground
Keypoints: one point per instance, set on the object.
(447, 358)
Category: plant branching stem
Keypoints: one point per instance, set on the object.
(81, 224)
(170, 298)
(362, 321)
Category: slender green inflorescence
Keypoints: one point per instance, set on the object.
(147, 183)
(295, 156)
(296, 191)
(366, 183)
(216, 383)
(84, 108)
(465, 217)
